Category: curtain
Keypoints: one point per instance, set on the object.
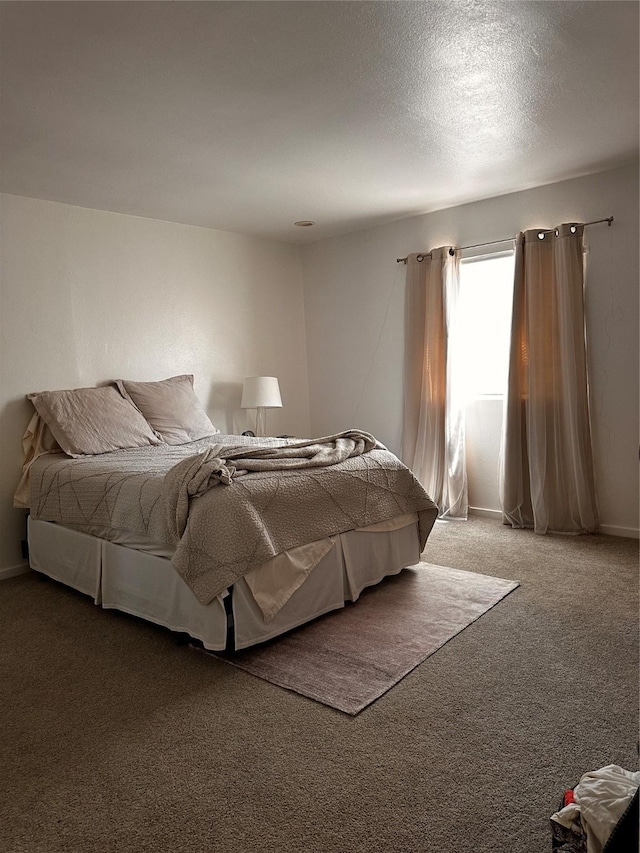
(546, 476)
(433, 425)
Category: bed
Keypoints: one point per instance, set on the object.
(230, 539)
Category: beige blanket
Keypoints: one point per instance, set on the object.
(233, 528)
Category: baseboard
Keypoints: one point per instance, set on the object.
(608, 529)
(487, 513)
(614, 530)
(12, 571)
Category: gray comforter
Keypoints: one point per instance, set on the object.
(230, 503)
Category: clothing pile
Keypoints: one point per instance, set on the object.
(599, 815)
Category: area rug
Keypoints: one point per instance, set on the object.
(351, 657)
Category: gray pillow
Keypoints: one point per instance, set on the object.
(171, 408)
(89, 421)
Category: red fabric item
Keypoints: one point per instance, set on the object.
(568, 796)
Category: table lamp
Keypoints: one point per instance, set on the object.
(261, 393)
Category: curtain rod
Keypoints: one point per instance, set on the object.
(608, 220)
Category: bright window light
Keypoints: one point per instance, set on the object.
(486, 295)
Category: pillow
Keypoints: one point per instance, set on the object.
(171, 407)
(88, 421)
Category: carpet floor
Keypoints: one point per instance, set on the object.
(115, 738)
(351, 657)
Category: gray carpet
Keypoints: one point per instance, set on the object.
(114, 738)
(351, 657)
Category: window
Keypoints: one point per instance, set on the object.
(486, 295)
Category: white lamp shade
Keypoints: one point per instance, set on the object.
(261, 392)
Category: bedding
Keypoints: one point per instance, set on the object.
(36, 441)
(231, 529)
(171, 408)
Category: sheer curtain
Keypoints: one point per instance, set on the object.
(433, 426)
(546, 476)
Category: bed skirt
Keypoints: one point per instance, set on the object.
(146, 585)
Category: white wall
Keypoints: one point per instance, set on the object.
(354, 292)
(89, 296)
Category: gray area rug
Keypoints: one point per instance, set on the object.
(350, 657)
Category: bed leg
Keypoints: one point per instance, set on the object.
(231, 633)
(24, 543)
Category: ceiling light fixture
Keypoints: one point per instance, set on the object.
(304, 223)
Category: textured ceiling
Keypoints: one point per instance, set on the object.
(248, 116)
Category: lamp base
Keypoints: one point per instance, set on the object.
(261, 421)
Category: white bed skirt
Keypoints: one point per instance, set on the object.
(148, 586)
